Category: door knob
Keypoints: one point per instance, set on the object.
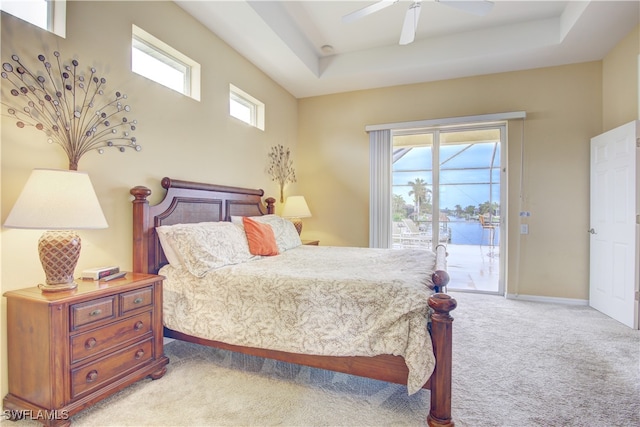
(592, 231)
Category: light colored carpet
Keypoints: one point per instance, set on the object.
(516, 363)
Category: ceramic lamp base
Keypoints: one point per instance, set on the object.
(57, 288)
(59, 252)
(298, 224)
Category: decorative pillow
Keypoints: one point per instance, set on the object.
(205, 246)
(287, 236)
(260, 237)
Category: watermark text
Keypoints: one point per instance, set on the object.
(37, 415)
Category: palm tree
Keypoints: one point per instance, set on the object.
(419, 192)
(488, 207)
(470, 210)
(398, 207)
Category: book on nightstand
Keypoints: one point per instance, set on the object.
(99, 272)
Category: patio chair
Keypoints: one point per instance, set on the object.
(413, 237)
(411, 226)
(396, 234)
(486, 225)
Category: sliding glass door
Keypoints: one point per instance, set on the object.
(447, 189)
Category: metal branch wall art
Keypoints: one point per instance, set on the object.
(281, 167)
(73, 111)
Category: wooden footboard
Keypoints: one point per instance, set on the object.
(189, 202)
(384, 367)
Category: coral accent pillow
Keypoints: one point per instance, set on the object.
(261, 239)
(287, 236)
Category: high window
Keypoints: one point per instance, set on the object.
(47, 14)
(157, 61)
(245, 107)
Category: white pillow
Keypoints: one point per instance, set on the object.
(205, 246)
(287, 236)
(169, 253)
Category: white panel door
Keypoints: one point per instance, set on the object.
(614, 232)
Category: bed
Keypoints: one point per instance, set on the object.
(195, 203)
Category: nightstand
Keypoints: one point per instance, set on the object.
(311, 242)
(67, 350)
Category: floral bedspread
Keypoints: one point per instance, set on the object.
(321, 300)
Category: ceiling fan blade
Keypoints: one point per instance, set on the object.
(410, 24)
(368, 10)
(475, 7)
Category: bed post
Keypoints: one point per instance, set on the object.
(440, 277)
(271, 205)
(441, 322)
(140, 227)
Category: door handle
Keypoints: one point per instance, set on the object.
(592, 231)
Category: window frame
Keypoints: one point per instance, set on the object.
(149, 45)
(255, 106)
(56, 19)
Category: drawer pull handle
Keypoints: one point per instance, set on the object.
(90, 343)
(92, 376)
(139, 353)
(95, 312)
(137, 300)
(138, 325)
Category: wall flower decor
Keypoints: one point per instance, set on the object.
(72, 110)
(281, 167)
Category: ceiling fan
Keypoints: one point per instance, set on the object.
(476, 7)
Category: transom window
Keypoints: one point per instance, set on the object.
(245, 107)
(46, 14)
(157, 61)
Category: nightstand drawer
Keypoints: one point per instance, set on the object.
(92, 311)
(93, 342)
(136, 299)
(94, 375)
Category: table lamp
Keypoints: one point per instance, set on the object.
(295, 207)
(58, 201)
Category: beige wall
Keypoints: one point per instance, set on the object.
(564, 109)
(621, 81)
(181, 138)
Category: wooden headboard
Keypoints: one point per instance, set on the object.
(186, 202)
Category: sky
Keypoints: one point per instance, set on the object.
(466, 176)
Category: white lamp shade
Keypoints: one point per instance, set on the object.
(57, 200)
(295, 207)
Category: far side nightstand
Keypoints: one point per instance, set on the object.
(311, 242)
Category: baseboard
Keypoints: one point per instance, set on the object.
(556, 300)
